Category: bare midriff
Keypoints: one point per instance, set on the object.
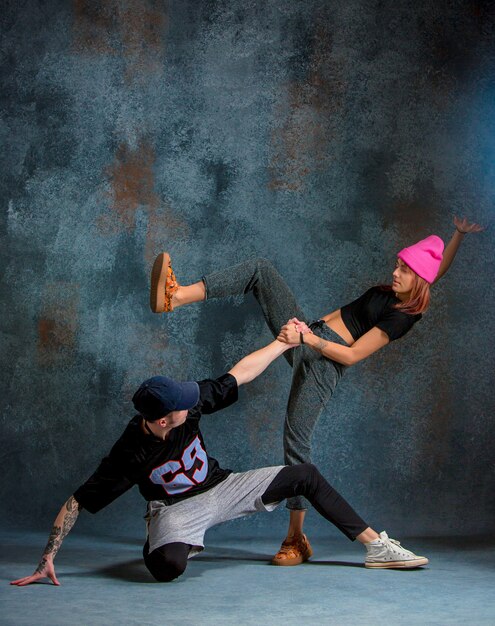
(336, 323)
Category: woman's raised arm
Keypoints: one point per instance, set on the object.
(462, 227)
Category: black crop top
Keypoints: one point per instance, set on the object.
(375, 308)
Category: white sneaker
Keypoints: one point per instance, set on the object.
(388, 553)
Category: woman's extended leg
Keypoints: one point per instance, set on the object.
(305, 480)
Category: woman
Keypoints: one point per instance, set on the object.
(331, 344)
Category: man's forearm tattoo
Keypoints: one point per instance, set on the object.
(72, 508)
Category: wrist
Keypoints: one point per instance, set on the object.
(309, 339)
(461, 232)
(282, 346)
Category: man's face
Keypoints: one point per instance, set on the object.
(175, 418)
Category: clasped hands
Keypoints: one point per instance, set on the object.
(290, 332)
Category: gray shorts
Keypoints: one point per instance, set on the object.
(188, 520)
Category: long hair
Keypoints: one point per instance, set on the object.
(419, 298)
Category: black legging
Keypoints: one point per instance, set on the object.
(305, 480)
(166, 562)
(170, 560)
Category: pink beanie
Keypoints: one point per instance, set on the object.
(424, 257)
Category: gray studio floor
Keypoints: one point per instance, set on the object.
(105, 582)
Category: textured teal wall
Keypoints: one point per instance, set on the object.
(322, 135)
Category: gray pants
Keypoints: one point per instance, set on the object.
(188, 520)
(314, 377)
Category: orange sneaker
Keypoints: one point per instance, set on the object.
(163, 284)
(293, 551)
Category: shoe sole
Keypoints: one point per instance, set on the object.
(158, 278)
(291, 562)
(398, 564)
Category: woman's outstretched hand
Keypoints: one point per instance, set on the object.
(463, 226)
(301, 327)
(290, 333)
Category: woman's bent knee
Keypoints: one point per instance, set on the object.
(264, 264)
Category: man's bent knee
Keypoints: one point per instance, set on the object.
(308, 477)
(307, 469)
(167, 562)
(165, 571)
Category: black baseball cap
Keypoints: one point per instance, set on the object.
(159, 395)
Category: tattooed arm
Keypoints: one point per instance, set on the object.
(64, 521)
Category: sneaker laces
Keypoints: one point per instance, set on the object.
(394, 542)
(388, 539)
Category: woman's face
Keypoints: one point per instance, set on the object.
(403, 278)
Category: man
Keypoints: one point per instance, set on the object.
(163, 452)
